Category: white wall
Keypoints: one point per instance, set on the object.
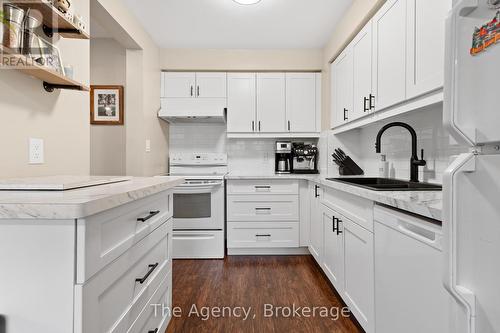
(396, 144)
(108, 143)
(60, 118)
(242, 60)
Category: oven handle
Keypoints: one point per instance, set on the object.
(200, 186)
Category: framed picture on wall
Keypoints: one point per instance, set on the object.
(106, 105)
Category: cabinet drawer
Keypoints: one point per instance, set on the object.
(114, 297)
(262, 235)
(262, 186)
(151, 318)
(263, 208)
(104, 237)
(357, 209)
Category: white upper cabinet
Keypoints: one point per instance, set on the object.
(241, 102)
(389, 54)
(301, 101)
(362, 73)
(271, 103)
(342, 85)
(425, 45)
(211, 85)
(193, 85)
(179, 85)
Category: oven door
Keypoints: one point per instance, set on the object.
(199, 205)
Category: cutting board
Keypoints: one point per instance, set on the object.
(57, 183)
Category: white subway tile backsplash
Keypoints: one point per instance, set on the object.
(396, 145)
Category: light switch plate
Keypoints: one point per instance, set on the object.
(36, 151)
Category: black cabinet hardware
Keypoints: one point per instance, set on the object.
(262, 235)
(153, 331)
(338, 226)
(198, 91)
(263, 186)
(346, 117)
(192, 91)
(151, 214)
(365, 107)
(262, 208)
(259, 125)
(372, 102)
(145, 277)
(333, 223)
(316, 194)
(289, 125)
(253, 126)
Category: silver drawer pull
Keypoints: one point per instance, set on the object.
(262, 187)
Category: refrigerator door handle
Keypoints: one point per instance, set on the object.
(464, 163)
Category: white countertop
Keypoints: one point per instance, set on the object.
(81, 202)
(425, 203)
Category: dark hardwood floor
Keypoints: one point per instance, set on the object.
(254, 282)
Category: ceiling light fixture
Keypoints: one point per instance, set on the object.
(247, 2)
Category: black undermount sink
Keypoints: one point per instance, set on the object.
(386, 184)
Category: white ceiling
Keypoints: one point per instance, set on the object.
(270, 24)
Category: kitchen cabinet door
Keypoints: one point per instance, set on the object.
(389, 54)
(333, 247)
(241, 102)
(211, 85)
(362, 72)
(359, 274)
(316, 223)
(271, 106)
(344, 82)
(425, 45)
(301, 102)
(179, 85)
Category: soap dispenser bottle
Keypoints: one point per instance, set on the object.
(383, 169)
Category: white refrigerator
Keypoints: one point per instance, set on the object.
(472, 182)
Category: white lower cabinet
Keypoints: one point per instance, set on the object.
(92, 275)
(262, 214)
(344, 248)
(316, 223)
(359, 276)
(333, 248)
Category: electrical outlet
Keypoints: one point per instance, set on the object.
(148, 146)
(36, 151)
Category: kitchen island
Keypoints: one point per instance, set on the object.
(90, 259)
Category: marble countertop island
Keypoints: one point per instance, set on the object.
(80, 202)
(425, 203)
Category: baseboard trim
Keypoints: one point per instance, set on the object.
(268, 251)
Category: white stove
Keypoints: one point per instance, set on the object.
(199, 205)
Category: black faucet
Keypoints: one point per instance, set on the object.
(414, 161)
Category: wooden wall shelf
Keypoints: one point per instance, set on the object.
(53, 20)
(51, 79)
